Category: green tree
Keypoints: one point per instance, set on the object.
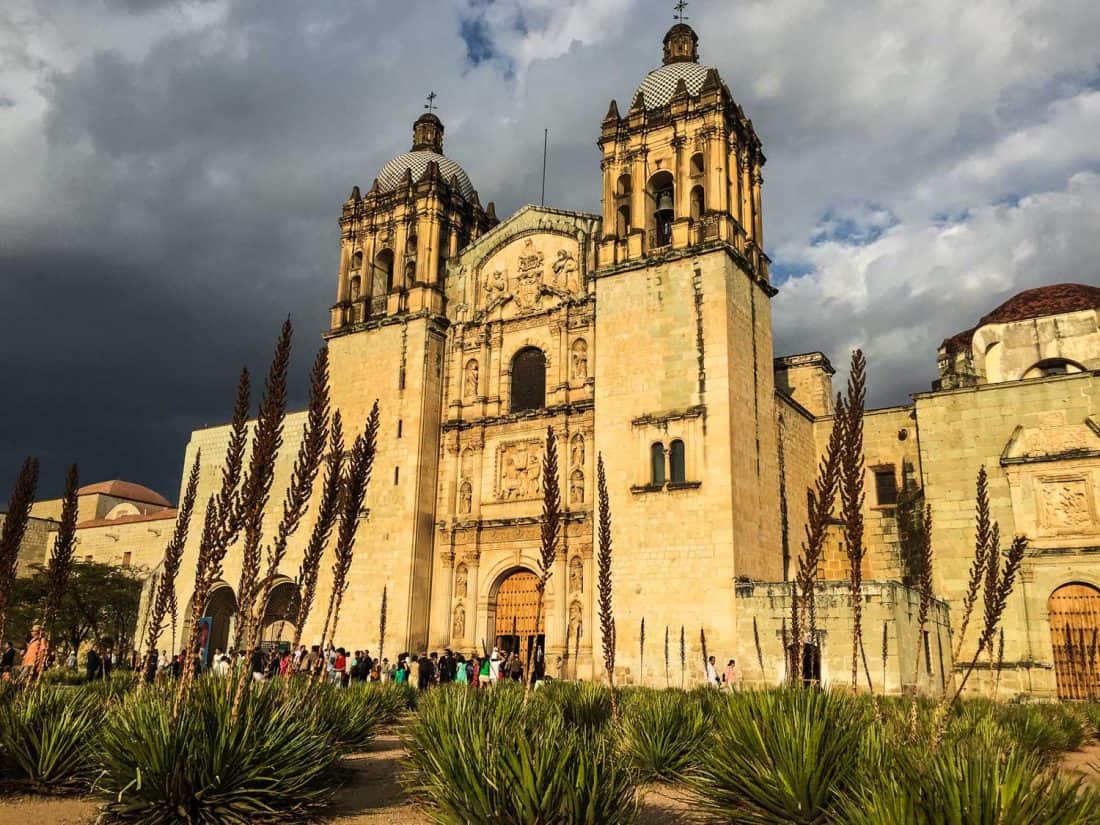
(100, 602)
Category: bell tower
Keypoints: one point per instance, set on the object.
(685, 411)
(682, 167)
(394, 242)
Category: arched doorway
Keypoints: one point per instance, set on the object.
(516, 606)
(1074, 611)
(277, 624)
(221, 607)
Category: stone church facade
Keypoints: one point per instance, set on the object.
(644, 333)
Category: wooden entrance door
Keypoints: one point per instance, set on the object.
(517, 603)
(1074, 630)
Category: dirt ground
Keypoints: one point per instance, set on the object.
(372, 794)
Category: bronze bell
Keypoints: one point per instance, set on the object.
(664, 201)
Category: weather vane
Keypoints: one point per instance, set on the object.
(430, 105)
(680, 6)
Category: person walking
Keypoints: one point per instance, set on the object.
(257, 665)
(494, 665)
(515, 669)
(485, 673)
(7, 661)
(729, 675)
(93, 665)
(712, 674)
(461, 677)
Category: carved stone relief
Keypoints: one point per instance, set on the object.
(1065, 503)
(576, 575)
(576, 450)
(576, 487)
(580, 360)
(575, 614)
(458, 627)
(462, 576)
(566, 274)
(522, 272)
(469, 388)
(520, 470)
(465, 498)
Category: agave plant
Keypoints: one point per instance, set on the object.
(275, 764)
(780, 756)
(49, 736)
(967, 782)
(481, 756)
(661, 734)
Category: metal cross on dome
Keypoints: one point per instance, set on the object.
(680, 6)
(430, 105)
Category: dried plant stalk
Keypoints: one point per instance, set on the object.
(759, 650)
(683, 657)
(549, 538)
(603, 583)
(982, 540)
(267, 439)
(885, 653)
(165, 589)
(668, 684)
(60, 566)
(382, 625)
(360, 465)
(15, 527)
(641, 653)
(703, 645)
(996, 681)
(221, 524)
(924, 588)
(995, 605)
(821, 500)
(851, 495)
(327, 512)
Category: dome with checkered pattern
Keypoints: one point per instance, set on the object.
(390, 176)
(660, 84)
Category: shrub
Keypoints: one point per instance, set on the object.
(968, 782)
(480, 756)
(48, 736)
(584, 706)
(661, 733)
(274, 764)
(780, 756)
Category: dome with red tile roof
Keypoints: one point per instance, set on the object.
(125, 489)
(1056, 299)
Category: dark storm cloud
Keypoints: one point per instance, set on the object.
(174, 171)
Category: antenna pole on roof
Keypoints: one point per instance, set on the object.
(545, 151)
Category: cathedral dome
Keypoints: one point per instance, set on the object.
(389, 178)
(681, 62)
(1055, 299)
(427, 148)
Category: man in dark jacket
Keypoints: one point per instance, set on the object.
(93, 665)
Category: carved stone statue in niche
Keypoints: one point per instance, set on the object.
(575, 613)
(566, 275)
(458, 627)
(469, 390)
(576, 487)
(465, 498)
(461, 577)
(580, 359)
(576, 451)
(520, 471)
(576, 575)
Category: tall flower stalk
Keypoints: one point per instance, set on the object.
(327, 513)
(683, 657)
(641, 653)
(382, 625)
(549, 537)
(357, 479)
(60, 566)
(851, 496)
(924, 588)
(667, 682)
(983, 535)
(603, 580)
(15, 527)
(221, 525)
(164, 591)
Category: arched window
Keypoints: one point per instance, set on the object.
(410, 272)
(356, 263)
(383, 271)
(697, 165)
(677, 474)
(657, 464)
(1053, 366)
(697, 204)
(622, 205)
(661, 191)
(410, 246)
(528, 380)
(354, 288)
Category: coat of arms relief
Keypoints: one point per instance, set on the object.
(528, 278)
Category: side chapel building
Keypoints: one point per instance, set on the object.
(644, 333)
